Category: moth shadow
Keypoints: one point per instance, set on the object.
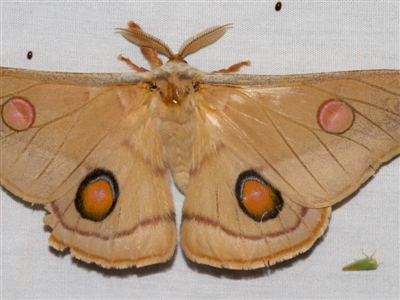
(19, 200)
(346, 200)
(359, 189)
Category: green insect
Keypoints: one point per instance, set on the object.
(367, 263)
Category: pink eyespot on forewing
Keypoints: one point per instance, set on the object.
(18, 113)
(335, 116)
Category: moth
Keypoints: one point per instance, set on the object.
(366, 263)
(260, 159)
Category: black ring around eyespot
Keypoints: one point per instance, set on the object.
(277, 200)
(95, 175)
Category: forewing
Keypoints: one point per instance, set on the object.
(274, 127)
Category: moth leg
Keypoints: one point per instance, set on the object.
(131, 64)
(234, 68)
(152, 57)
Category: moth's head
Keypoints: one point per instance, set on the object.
(176, 84)
(150, 45)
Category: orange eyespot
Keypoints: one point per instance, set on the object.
(97, 198)
(18, 113)
(97, 195)
(257, 198)
(335, 116)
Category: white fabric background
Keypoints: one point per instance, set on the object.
(305, 36)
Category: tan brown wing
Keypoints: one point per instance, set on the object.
(90, 143)
(261, 188)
